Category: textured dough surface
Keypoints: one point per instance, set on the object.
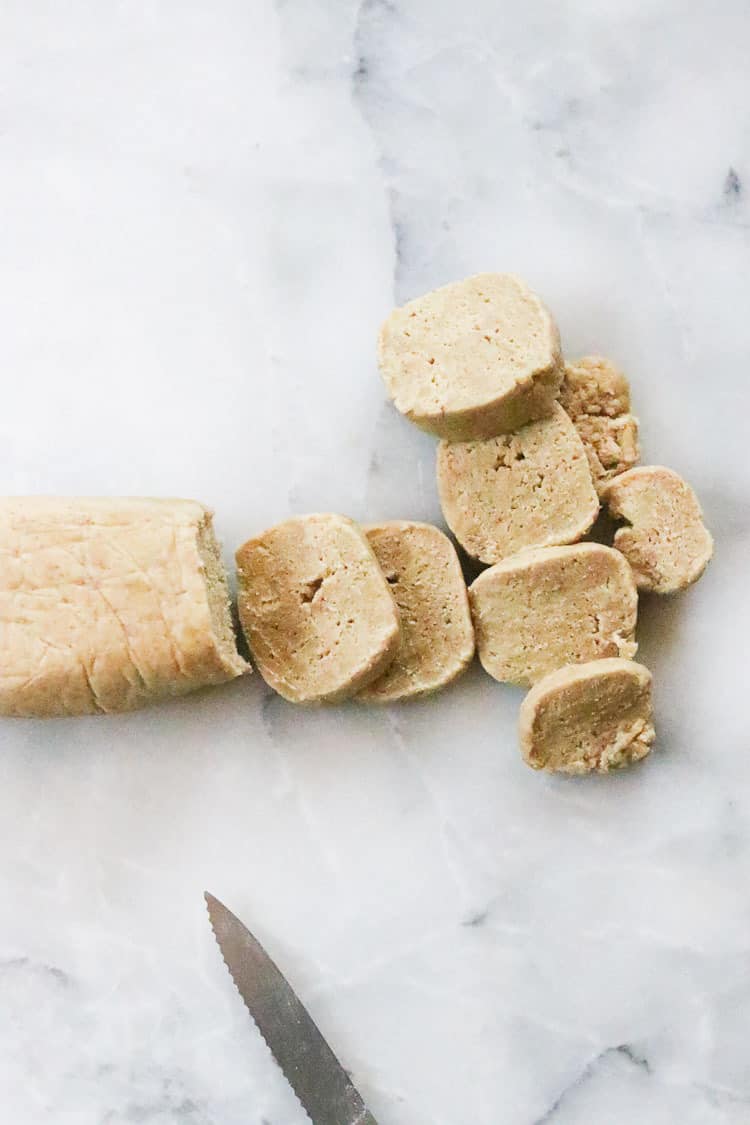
(596, 396)
(317, 612)
(553, 606)
(475, 358)
(588, 717)
(667, 543)
(437, 637)
(108, 603)
(517, 491)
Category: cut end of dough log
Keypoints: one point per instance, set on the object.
(107, 604)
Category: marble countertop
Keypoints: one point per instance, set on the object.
(206, 211)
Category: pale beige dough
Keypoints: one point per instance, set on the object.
(473, 359)
(106, 604)
(596, 395)
(437, 638)
(588, 717)
(665, 540)
(553, 606)
(517, 491)
(317, 612)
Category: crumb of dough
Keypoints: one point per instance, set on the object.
(596, 395)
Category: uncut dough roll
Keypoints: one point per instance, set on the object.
(473, 359)
(317, 612)
(588, 717)
(596, 396)
(437, 637)
(517, 491)
(553, 606)
(666, 542)
(106, 604)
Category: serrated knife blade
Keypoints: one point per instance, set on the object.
(323, 1087)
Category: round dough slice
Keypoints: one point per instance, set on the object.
(517, 491)
(588, 717)
(476, 358)
(437, 637)
(666, 542)
(596, 395)
(318, 614)
(553, 606)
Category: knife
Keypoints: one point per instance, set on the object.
(307, 1062)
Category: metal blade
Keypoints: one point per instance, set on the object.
(307, 1062)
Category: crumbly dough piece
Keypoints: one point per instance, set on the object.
(106, 604)
(553, 606)
(316, 609)
(516, 491)
(476, 358)
(666, 542)
(588, 717)
(596, 395)
(437, 637)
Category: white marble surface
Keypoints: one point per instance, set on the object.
(205, 210)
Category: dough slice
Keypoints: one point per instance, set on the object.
(666, 542)
(596, 395)
(437, 638)
(588, 717)
(516, 491)
(317, 612)
(473, 359)
(106, 604)
(553, 606)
